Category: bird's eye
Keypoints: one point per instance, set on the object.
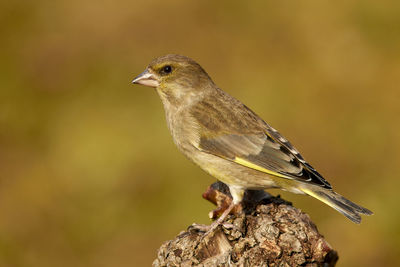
(166, 69)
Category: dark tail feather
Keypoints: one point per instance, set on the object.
(349, 209)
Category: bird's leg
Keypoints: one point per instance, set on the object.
(221, 219)
(225, 209)
(225, 204)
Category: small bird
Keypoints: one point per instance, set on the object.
(229, 141)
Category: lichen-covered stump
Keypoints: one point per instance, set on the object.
(267, 231)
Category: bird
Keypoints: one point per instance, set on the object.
(229, 141)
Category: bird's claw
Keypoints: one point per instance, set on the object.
(199, 227)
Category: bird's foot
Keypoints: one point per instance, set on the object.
(208, 229)
(199, 227)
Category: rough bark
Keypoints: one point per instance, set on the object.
(267, 231)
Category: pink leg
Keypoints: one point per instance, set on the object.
(221, 219)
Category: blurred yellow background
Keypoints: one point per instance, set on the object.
(89, 175)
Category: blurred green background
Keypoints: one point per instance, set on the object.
(89, 175)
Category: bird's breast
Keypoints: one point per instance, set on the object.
(184, 131)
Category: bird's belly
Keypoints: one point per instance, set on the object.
(232, 173)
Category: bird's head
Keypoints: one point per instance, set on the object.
(175, 76)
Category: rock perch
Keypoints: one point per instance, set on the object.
(265, 231)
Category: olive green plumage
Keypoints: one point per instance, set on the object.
(228, 140)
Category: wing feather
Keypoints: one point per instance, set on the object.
(244, 138)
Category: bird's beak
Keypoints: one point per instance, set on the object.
(147, 79)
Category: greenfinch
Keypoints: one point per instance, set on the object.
(229, 141)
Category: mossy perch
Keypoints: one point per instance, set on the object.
(268, 231)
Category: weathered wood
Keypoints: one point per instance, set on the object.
(268, 231)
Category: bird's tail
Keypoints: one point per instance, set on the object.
(349, 209)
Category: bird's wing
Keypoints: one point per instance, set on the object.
(262, 153)
(247, 140)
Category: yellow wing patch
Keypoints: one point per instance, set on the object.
(258, 168)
